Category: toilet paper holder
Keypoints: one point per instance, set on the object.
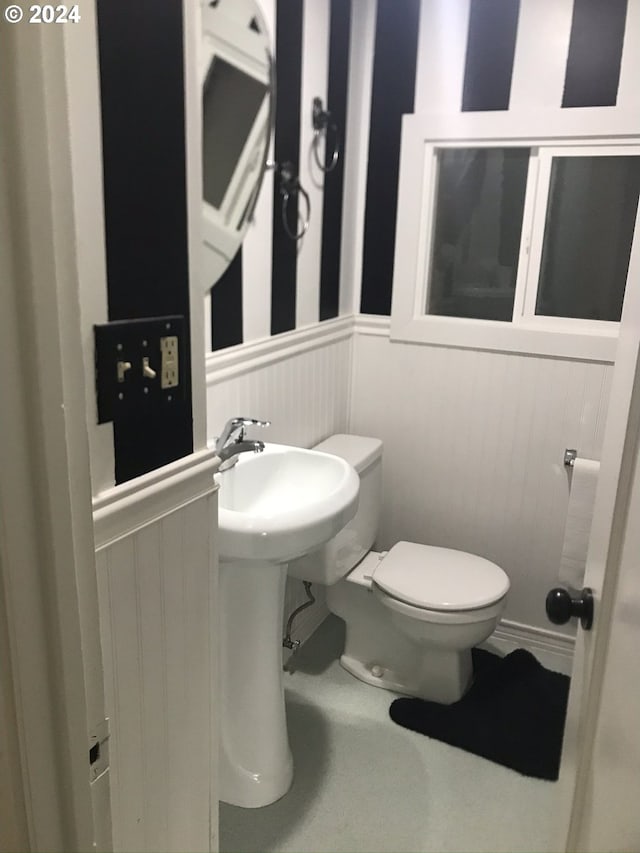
(570, 455)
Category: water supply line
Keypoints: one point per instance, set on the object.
(288, 643)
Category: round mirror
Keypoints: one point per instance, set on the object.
(237, 104)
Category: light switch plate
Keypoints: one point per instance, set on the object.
(137, 366)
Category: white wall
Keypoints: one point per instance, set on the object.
(257, 245)
(315, 58)
(299, 381)
(474, 445)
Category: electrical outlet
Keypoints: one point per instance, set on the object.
(169, 361)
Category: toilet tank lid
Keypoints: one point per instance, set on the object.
(358, 450)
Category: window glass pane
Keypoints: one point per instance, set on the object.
(587, 239)
(230, 103)
(478, 223)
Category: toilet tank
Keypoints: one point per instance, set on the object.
(334, 560)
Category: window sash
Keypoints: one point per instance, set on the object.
(541, 204)
(532, 231)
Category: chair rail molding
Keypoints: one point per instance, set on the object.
(122, 510)
(245, 358)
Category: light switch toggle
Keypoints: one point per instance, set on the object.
(147, 371)
(122, 367)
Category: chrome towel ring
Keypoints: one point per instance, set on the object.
(322, 122)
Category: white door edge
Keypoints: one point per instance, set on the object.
(48, 581)
(622, 436)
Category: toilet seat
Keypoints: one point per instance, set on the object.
(440, 617)
(439, 581)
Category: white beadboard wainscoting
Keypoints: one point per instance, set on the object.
(155, 559)
(300, 381)
(473, 451)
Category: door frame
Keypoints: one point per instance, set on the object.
(52, 677)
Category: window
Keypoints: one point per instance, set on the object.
(588, 232)
(519, 244)
(477, 227)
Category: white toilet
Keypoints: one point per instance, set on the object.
(412, 613)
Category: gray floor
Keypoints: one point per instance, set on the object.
(363, 783)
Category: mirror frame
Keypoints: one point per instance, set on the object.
(235, 32)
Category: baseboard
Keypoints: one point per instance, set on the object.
(553, 650)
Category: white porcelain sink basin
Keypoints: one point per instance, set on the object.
(283, 502)
(273, 506)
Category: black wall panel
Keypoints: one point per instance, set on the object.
(287, 149)
(142, 92)
(491, 44)
(595, 53)
(339, 34)
(226, 306)
(394, 73)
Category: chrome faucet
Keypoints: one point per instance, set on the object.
(233, 441)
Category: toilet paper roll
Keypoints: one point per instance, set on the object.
(582, 493)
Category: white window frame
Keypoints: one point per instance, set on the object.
(565, 133)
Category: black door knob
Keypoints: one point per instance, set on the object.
(561, 607)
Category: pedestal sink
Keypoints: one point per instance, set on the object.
(273, 506)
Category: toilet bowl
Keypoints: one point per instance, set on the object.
(413, 613)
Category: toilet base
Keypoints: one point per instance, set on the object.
(386, 678)
(440, 676)
(386, 649)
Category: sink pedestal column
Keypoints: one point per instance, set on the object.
(256, 766)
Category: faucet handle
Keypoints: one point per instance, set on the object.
(246, 422)
(238, 425)
(243, 423)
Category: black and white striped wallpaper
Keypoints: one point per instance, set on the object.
(498, 58)
(592, 70)
(423, 55)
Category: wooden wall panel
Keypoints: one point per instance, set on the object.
(157, 597)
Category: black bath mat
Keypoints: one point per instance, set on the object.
(512, 714)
